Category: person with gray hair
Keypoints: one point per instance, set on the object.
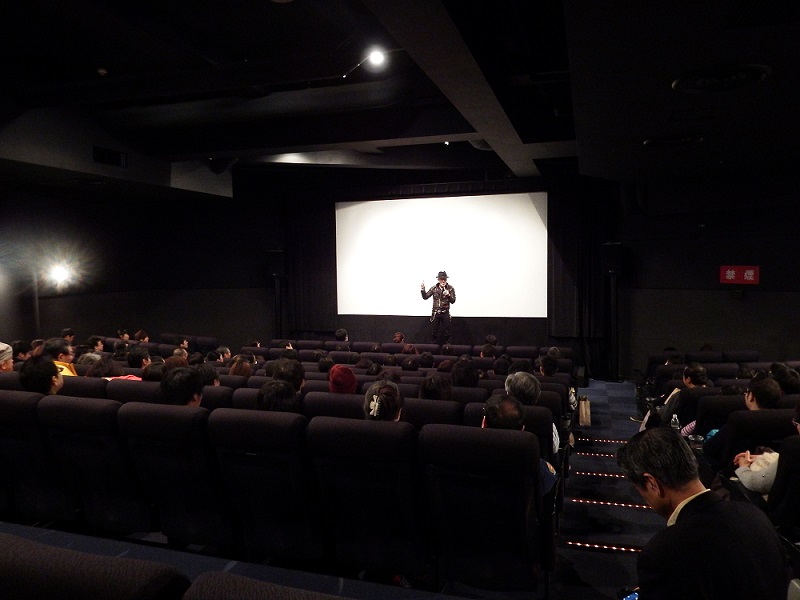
(526, 388)
(6, 357)
(711, 548)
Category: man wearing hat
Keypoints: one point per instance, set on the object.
(6, 357)
(444, 295)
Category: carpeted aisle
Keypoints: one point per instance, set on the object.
(604, 521)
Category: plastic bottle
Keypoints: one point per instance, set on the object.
(675, 424)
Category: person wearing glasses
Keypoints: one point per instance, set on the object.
(763, 393)
(59, 349)
(756, 472)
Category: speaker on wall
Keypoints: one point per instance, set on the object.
(611, 258)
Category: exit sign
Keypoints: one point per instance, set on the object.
(738, 274)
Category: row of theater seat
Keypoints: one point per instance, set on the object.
(262, 485)
(34, 569)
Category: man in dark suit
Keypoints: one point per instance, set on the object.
(711, 548)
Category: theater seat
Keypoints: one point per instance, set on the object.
(33, 570)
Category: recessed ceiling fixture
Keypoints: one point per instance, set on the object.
(672, 141)
(721, 78)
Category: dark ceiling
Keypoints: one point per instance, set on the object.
(514, 86)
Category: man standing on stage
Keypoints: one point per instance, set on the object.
(444, 295)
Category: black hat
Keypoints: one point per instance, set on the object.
(442, 275)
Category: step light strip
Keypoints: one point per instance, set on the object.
(596, 474)
(585, 439)
(607, 503)
(603, 547)
(596, 454)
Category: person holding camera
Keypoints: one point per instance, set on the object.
(444, 295)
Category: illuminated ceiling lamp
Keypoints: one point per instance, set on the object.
(375, 61)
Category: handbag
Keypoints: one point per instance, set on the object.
(584, 412)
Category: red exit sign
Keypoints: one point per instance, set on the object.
(738, 274)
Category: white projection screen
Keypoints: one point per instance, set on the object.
(494, 249)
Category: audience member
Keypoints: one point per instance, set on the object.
(196, 358)
(390, 374)
(123, 335)
(374, 368)
(108, 368)
(465, 373)
(224, 354)
(41, 374)
(436, 387)
(694, 375)
(68, 333)
(711, 548)
(383, 401)
(182, 386)
(548, 365)
(488, 351)
(207, 372)
(21, 350)
(290, 370)
(62, 354)
(95, 343)
(154, 371)
(490, 339)
(88, 358)
(120, 352)
(426, 360)
(279, 396)
(290, 354)
(6, 357)
(503, 411)
(141, 336)
(184, 343)
(213, 357)
(181, 352)
(173, 362)
(410, 363)
(500, 366)
(341, 335)
(138, 357)
(526, 388)
(241, 366)
(363, 363)
(446, 366)
(409, 349)
(763, 393)
(398, 337)
(342, 380)
(253, 343)
(787, 378)
(521, 364)
(325, 364)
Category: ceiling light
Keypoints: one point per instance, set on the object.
(720, 78)
(376, 58)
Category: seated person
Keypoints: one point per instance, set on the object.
(503, 411)
(436, 387)
(279, 396)
(756, 472)
(41, 374)
(383, 401)
(342, 380)
(763, 393)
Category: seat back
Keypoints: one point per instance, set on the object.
(372, 492)
(333, 404)
(94, 457)
(713, 411)
(84, 387)
(748, 429)
(233, 381)
(246, 398)
(264, 469)
(420, 412)
(9, 380)
(465, 395)
(217, 396)
(783, 502)
(124, 390)
(28, 465)
(492, 473)
(174, 459)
